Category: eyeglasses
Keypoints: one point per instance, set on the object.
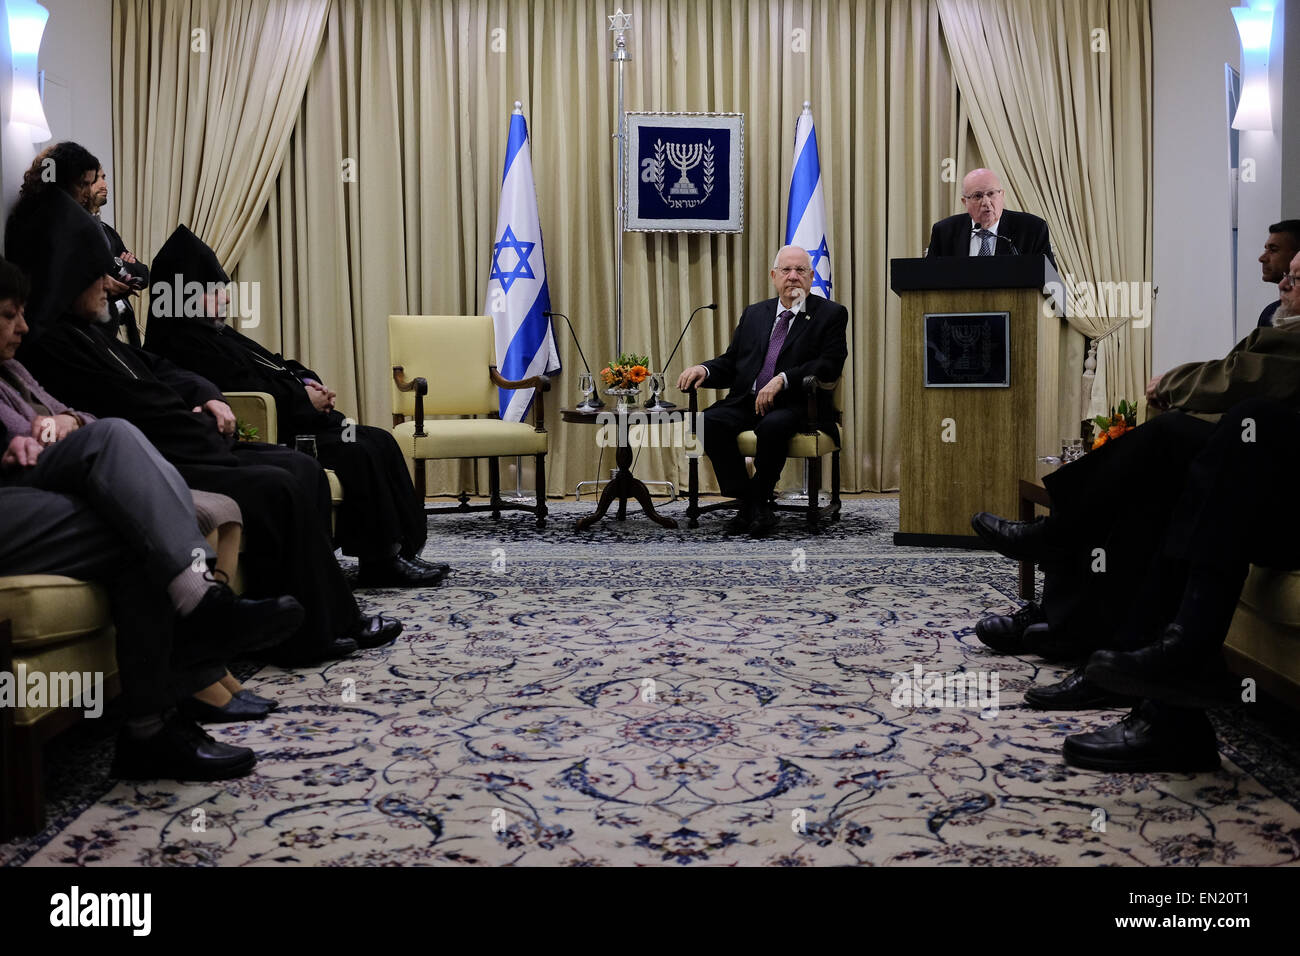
(1291, 277)
(979, 197)
(796, 270)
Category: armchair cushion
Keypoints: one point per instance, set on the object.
(48, 609)
(469, 438)
(801, 445)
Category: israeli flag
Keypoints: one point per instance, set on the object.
(805, 220)
(517, 294)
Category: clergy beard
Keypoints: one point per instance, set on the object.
(102, 317)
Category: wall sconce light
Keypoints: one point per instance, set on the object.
(1255, 27)
(27, 20)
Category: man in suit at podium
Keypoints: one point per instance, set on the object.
(778, 343)
(985, 228)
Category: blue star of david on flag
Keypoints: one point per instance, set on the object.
(822, 286)
(522, 269)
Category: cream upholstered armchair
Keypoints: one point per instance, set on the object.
(442, 365)
(811, 444)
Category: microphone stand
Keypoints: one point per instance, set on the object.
(593, 403)
(655, 401)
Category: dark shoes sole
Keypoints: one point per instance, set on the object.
(1074, 692)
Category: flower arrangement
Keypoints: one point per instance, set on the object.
(244, 431)
(627, 371)
(1121, 419)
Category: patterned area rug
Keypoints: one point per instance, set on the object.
(635, 696)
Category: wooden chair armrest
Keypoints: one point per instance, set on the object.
(811, 385)
(421, 388)
(539, 382)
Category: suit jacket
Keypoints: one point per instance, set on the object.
(1266, 317)
(1265, 364)
(817, 344)
(951, 236)
(235, 363)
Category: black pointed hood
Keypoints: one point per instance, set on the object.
(183, 259)
(61, 248)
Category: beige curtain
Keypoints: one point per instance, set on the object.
(418, 97)
(207, 93)
(1060, 98)
(386, 199)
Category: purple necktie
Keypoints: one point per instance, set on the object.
(774, 349)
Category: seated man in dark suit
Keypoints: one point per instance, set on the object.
(1117, 503)
(1280, 248)
(1237, 509)
(778, 343)
(985, 228)
(381, 521)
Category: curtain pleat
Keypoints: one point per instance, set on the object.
(386, 197)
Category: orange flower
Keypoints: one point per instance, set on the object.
(1101, 440)
(637, 374)
(1117, 429)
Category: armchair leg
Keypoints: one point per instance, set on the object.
(541, 492)
(421, 485)
(814, 491)
(494, 486)
(835, 485)
(693, 493)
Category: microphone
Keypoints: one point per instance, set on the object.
(998, 237)
(673, 354)
(594, 402)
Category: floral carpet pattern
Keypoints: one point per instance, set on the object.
(667, 698)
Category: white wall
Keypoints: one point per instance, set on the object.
(75, 56)
(1192, 255)
(78, 100)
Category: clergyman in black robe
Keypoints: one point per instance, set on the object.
(283, 495)
(381, 521)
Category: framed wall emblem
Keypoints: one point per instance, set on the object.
(685, 172)
(968, 350)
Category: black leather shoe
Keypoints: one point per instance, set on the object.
(225, 626)
(377, 631)
(1019, 540)
(765, 522)
(443, 569)
(1004, 632)
(739, 522)
(1170, 670)
(180, 751)
(1148, 741)
(270, 705)
(236, 710)
(1040, 639)
(398, 572)
(1075, 692)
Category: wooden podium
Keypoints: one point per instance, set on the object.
(965, 446)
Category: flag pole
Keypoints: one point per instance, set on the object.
(619, 24)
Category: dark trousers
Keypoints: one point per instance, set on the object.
(724, 421)
(284, 497)
(1237, 508)
(380, 508)
(102, 505)
(1113, 509)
